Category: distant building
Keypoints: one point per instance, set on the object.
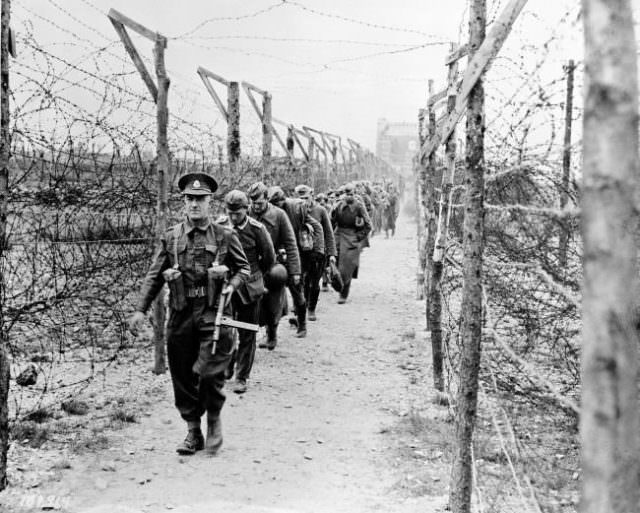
(397, 143)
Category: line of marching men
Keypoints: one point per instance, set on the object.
(310, 239)
(266, 243)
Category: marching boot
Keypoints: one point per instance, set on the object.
(272, 337)
(313, 301)
(192, 443)
(302, 322)
(214, 435)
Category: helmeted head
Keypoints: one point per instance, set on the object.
(276, 196)
(258, 196)
(236, 204)
(197, 188)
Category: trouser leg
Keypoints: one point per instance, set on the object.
(297, 294)
(182, 352)
(197, 375)
(313, 280)
(247, 340)
(211, 370)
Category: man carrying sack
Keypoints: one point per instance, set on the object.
(203, 263)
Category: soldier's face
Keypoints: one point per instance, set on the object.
(259, 205)
(197, 207)
(308, 199)
(237, 217)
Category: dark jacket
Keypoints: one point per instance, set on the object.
(299, 216)
(346, 217)
(258, 247)
(320, 214)
(277, 223)
(220, 243)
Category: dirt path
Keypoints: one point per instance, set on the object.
(337, 422)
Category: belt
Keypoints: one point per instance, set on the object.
(197, 292)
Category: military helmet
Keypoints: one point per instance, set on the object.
(236, 200)
(197, 184)
(276, 277)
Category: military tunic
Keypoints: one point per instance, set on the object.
(196, 374)
(258, 247)
(277, 223)
(350, 238)
(319, 261)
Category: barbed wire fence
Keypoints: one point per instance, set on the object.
(525, 450)
(82, 195)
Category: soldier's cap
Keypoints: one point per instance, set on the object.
(303, 190)
(275, 194)
(321, 196)
(197, 184)
(348, 188)
(236, 200)
(257, 190)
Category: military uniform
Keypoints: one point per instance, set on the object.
(299, 216)
(352, 225)
(196, 374)
(279, 227)
(258, 248)
(319, 259)
(193, 257)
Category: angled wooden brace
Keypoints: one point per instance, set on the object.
(480, 62)
(119, 21)
(206, 75)
(249, 89)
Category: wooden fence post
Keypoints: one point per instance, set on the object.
(163, 169)
(5, 155)
(159, 93)
(471, 309)
(566, 166)
(609, 424)
(437, 262)
(421, 215)
(267, 135)
(233, 126)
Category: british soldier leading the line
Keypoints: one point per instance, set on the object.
(194, 258)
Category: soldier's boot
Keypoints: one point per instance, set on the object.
(240, 386)
(272, 337)
(314, 294)
(344, 294)
(302, 322)
(192, 443)
(214, 435)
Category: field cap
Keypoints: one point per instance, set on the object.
(197, 184)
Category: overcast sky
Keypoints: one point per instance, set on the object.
(336, 65)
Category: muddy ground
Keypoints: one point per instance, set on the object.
(341, 421)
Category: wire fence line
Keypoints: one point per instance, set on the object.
(81, 214)
(525, 451)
